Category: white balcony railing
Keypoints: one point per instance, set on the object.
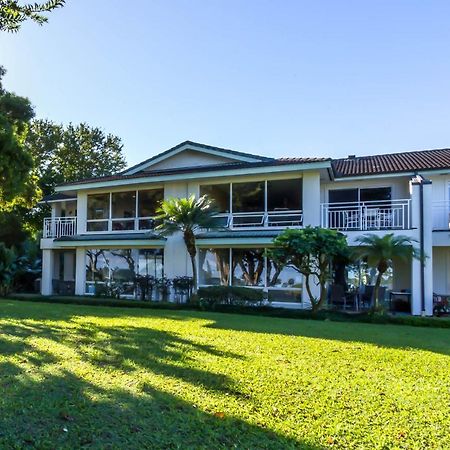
(373, 215)
(55, 227)
(441, 215)
(261, 220)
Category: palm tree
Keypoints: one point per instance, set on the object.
(380, 251)
(187, 215)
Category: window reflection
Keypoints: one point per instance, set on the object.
(105, 268)
(219, 194)
(248, 197)
(214, 266)
(248, 267)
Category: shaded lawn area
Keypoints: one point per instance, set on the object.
(91, 377)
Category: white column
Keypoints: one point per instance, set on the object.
(311, 216)
(176, 258)
(311, 198)
(416, 266)
(47, 272)
(80, 271)
(81, 212)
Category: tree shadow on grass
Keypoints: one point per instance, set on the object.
(44, 405)
(431, 339)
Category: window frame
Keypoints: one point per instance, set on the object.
(111, 220)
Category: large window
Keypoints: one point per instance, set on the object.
(98, 212)
(123, 211)
(284, 195)
(219, 194)
(382, 194)
(119, 267)
(148, 202)
(214, 266)
(250, 268)
(248, 197)
(259, 203)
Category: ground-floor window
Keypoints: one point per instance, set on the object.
(251, 268)
(107, 268)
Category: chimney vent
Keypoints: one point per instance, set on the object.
(351, 156)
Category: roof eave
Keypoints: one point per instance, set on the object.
(261, 169)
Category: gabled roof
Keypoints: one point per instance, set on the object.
(189, 145)
(392, 163)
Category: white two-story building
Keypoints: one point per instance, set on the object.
(102, 229)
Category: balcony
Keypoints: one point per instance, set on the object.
(261, 220)
(367, 216)
(55, 227)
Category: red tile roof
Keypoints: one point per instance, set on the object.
(392, 163)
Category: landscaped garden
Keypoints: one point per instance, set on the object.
(95, 377)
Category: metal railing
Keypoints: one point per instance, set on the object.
(373, 215)
(55, 227)
(261, 220)
(441, 215)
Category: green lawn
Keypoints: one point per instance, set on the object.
(95, 377)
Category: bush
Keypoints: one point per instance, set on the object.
(211, 296)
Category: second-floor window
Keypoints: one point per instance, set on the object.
(255, 196)
(123, 211)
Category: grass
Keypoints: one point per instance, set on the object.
(95, 377)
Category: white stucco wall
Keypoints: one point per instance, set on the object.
(441, 266)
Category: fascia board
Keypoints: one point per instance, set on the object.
(196, 175)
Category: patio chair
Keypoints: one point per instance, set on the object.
(338, 297)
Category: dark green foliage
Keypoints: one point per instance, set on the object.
(72, 152)
(69, 153)
(13, 14)
(379, 252)
(211, 296)
(16, 163)
(266, 311)
(311, 251)
(9, 265)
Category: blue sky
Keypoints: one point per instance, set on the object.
(279, 78)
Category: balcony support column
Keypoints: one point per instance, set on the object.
(48, 260)
(80, 271)
(422, 270)
(311, 199)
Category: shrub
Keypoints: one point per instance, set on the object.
(211, 296)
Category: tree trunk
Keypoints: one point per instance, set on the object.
(376, 290)
(312, 299)
(194, 274)
(189, 240)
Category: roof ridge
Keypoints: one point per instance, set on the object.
(406, 152)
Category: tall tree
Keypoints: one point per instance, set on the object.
(17, 183)
(187, 215)
(13, 14)
(69, 153)
(380, 251)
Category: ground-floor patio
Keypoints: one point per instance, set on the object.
(95, 271)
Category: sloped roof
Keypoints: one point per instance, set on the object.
(206, 168)
(198, 146)
(392, 163)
